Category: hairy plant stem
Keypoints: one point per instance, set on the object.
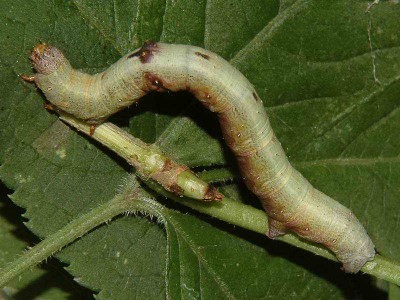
(130, 200)
(228, 210)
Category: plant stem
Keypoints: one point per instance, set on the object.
(253, 219)
(151, 162)
(228, 210)
(75, 229)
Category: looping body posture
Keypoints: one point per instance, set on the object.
(292, 204)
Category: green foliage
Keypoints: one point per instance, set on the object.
(313, 64)
(48, 283)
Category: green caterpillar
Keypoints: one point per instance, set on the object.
(291, 203)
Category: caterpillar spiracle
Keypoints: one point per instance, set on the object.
(290, 201)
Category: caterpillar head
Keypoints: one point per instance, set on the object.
(46, 59)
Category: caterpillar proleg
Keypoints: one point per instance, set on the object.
(290, 201)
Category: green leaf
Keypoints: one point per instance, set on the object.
(394, 292)
(38, 283)
(207, 263)
(313, 64)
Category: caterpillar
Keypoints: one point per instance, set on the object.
(290, 201)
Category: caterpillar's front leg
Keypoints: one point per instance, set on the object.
(27, 78)
(31, 79)
(50, 106)
(92, 129)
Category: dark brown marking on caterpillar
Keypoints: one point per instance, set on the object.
(155, 83)
(137, 53)
(28, 78)
(205, 56)
(145, 53)
(255, 96)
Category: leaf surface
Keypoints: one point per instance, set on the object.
(313, 64)
(38, 283)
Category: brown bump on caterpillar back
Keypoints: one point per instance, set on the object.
(46, 59)
(145, 53)
(255, 96)
(154, 83)
(205, 56)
